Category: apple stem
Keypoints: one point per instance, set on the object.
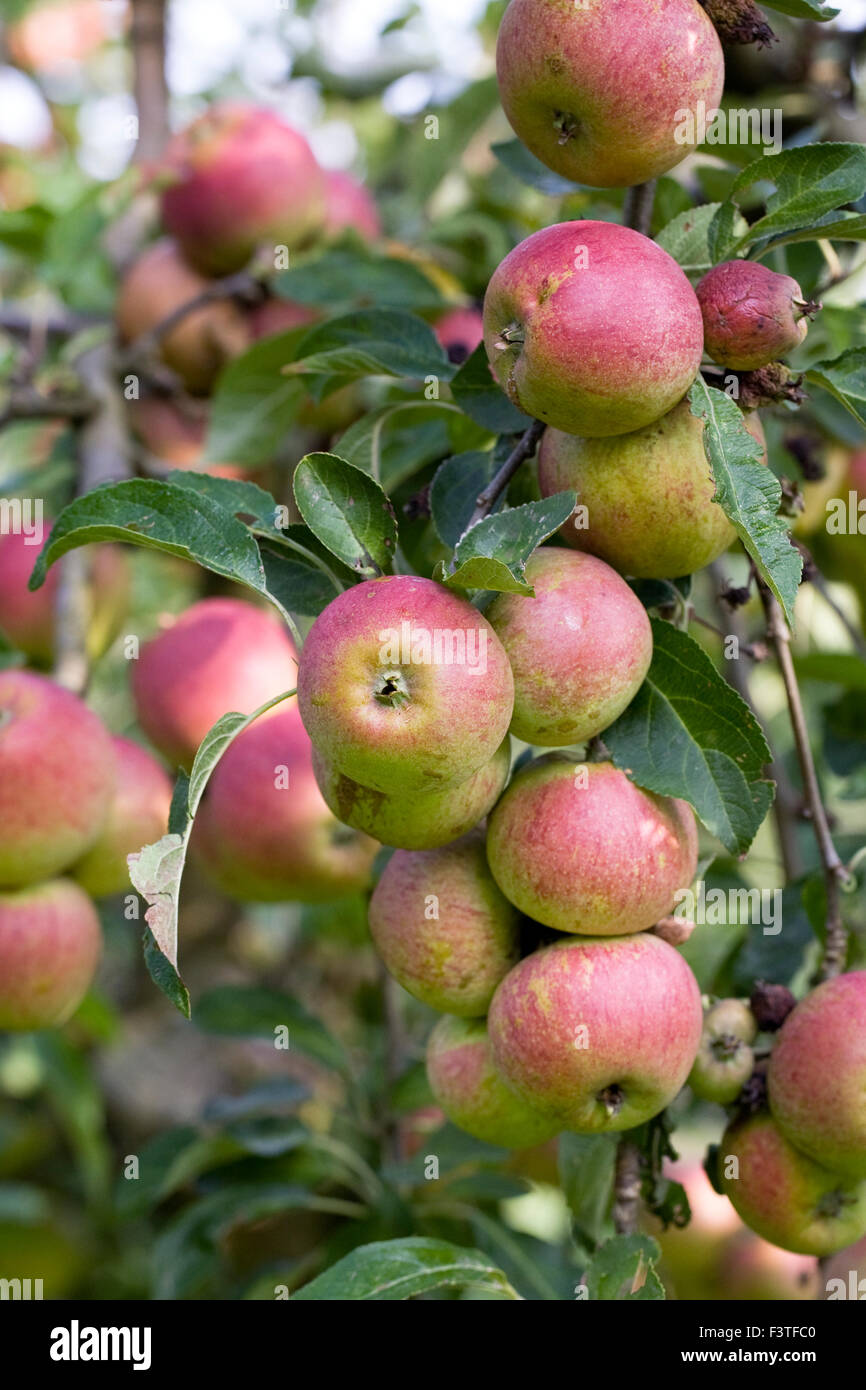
(523, 449)
(627, 1182)
(637, 209)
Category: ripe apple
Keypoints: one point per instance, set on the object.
(752, 1270)
(236, 178)
(580, 848)
(174, 435)
(200, 345)
(27, 616)
(473, 1095)
(404, 686)
(221, 655)
(725, 1059)
(599, 95)
(784, 1195)
(817, 1075)
(349, 206)
(598, 1033)
(56, 778)
(50, 943)
(263, 832)
(752, 315)
(579, 649)
(460, 331)
(137, 816)
(648, 496)
(423, 819)
(444, 930)
(592, 328)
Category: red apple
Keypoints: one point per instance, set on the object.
(349, 206)
(50, 944)
(460, 331)
(137, 816)
(752, 315)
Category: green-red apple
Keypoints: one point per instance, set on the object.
(50, 943)
(752, 315)
(784, 1195)
(817, 1075)
(598, 1033)
(645, 499)
(442, 926)
(137, 816)
(473, 1096)
(725, 1059)
(460, 331)
(592, 328)
(579, 847)
(404, 686)
(579, 649)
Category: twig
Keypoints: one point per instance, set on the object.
(637, 209)
(25, 403)
(523, 450)
(147, 35)
(20, 320)
(626, 1188)
(834, 870)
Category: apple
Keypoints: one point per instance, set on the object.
(579, 649)
(423, 819)
(238, 177)
(221, 655)
(784, 1195)
(349, 206)
(817, 492)
(137, 816)
(443, 928)
(56, 778)
(50, 944)
(27, 617)
(201, 344)
(56, 37)
(725, 1059)
(404, 686)
(174, 435)
(263, 832)
(752, 315)
(598, 1033)
(598, 94)
(274, 316)
(817, 1075)
(752, 1270)
(645, 499)
(580, 848)
(592, 328)
(473, 1095)
(460, 331)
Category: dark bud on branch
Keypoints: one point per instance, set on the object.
(806, 449)
(771, 1005)
(739, 21)
(769, 385)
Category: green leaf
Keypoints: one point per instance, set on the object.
(688, 734)
(836, 226)
(393, 442)
(803, 9)
(390, 1270)
(477, 392)
(348, 511)
(838, 668)
(347, 276)
(169, 1162)
(254, 403)
(845, 380)
(686, 237)
(810, 181)
(250, 1011)
(493, 554)
(748, 492)
(372, 342)
(586, 1176)
(454, 492)
(522, 163)
(625, 1269)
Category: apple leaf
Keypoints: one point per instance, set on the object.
(392, 1270)
(493, 554)
(837, 668)
(253, 403)
(348, 511)
(348, 276)
(369, 342)
(748, 492)
(393, 442)
(251, 1011)
(624, 1268)
(454, 492)
(810, 181)
(586, 1176)
(836, 226)
(524, 165)
(478, 393)
(845, 380)
(686, 237)
(802, 9)
(688, 734)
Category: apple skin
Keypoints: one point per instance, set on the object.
(460, 331)
(263, 842)
(725, 1059)
(349, 206)
(454, 962)
(592, 328)
(27, 615)
(605, 859)
(57, 777)
(221, 655)
(751, 314)
(236, 178)
(648, 495)
(50, 944)
(473, 1095)
(817, 1075)
(579, 650)
(640, 1005)
(403, 725)
(137, 816)
(422, 819)
(593, 89)
(784, 1195)
(197, 349)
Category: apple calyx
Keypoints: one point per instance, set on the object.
(392, 690)
(510, 336)
(726, 1047)
(566, 124)
(612, 1098)
(832, 1204)
(806, 308)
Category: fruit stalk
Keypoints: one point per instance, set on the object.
(626, 1205)
(523, 449)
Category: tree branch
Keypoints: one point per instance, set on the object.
(626, 1206)
(523, 450)
(147, 37)
(637, 209)
(239, 286)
